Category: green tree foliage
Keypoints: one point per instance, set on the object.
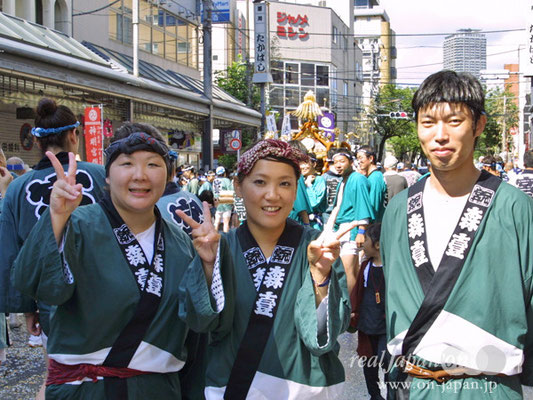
(406, 147)
(236, 80)
(501, 110)
(228, 161)
(377, 121)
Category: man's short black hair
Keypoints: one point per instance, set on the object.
(451, 87)
(369, 151)
(528, 159)
(345, 152)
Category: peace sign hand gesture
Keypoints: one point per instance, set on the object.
(205, 239)
(66, 193)
(322, 253)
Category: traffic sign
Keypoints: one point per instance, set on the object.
(235, 144)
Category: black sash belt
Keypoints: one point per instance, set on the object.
(149, 278)
(269, 279)
(438, 285)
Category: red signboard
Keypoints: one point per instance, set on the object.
(93, 135)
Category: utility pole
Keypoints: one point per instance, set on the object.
(262, 74)
(207, 138)
(135, 24)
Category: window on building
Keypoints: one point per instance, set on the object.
(345, 91)
(291, 73)
(276, 96)
(308, 74)
(322, 75)
(322, 97)
(362, 4)
(160, 32)
(292, 97)
(335, 35)
(215, 57)
(276, 68)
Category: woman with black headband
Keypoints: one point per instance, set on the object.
(28, 197)
(292, 301)
(114, 269)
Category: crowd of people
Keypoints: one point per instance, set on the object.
(149, 280)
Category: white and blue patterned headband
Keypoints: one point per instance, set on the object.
(42, 132)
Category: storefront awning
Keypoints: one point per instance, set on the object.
(31, 50)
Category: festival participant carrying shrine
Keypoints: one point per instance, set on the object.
(114, 271)
(292, 301)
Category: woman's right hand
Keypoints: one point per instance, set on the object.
(205, 239)
(66, 193)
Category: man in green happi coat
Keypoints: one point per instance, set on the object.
(457, 260)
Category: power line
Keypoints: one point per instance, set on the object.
(98, 9)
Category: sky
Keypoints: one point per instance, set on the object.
(438, 16)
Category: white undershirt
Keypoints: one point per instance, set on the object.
(146, 240)
(441, 214)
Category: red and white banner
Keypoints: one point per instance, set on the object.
(94, 143)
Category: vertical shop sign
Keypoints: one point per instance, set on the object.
(262, 44)
(94, 144)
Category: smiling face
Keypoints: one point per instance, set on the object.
(447, 135)
(306, 169)
(136, 182)
(268, 191)
(365, 161)
(342, 164)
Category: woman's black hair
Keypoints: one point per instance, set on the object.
(128, 128)
(50, 115)
(374, 232)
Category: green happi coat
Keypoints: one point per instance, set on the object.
(296, 364)
(26, 199)
(377, 194)
(220, 184)
(302, 201)
(103, 296)
(488, 316)
(355, 205)
(317, 198)
(3, 325)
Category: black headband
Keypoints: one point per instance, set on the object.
(137, 141)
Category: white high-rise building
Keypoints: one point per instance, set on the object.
(466, 51)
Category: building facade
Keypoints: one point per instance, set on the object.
(313, 49)
(465, 51)
(372, 30)
(94, 67)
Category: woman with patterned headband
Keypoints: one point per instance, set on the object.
(292, 300)
(114, 271)
(28, 197)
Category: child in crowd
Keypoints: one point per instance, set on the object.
(368, 312)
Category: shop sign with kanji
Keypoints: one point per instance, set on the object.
(93, 135)
(292, 27)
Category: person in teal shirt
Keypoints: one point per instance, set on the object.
(315, 188)
(366, 157)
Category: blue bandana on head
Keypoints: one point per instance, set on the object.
(42, 132)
